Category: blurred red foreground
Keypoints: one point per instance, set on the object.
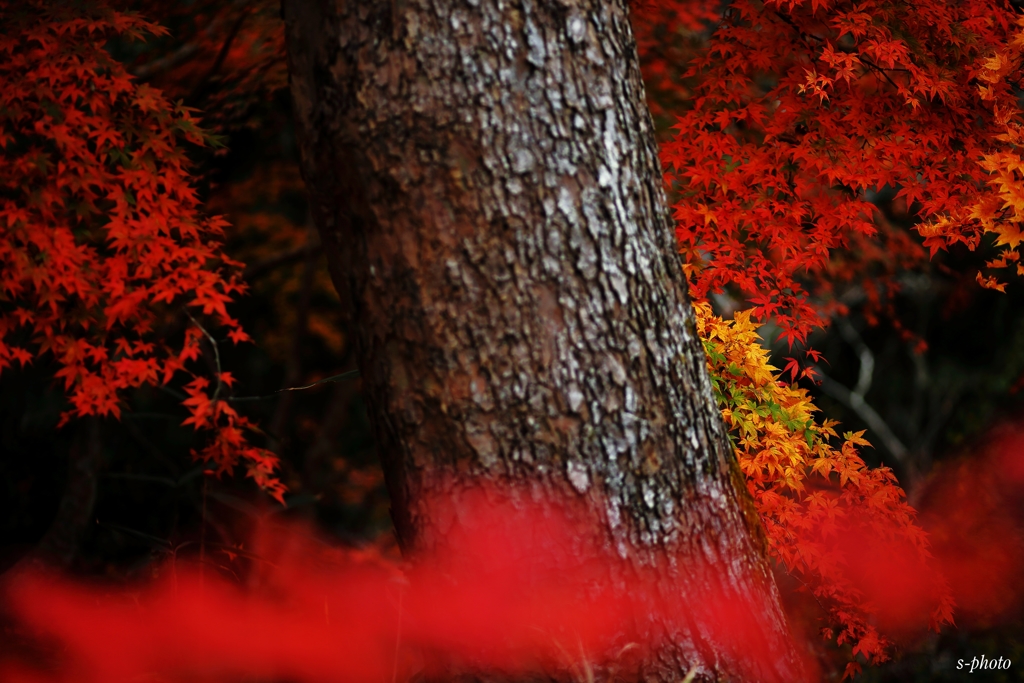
(514, 591)
(973, 510)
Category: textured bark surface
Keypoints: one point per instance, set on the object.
(485, 180)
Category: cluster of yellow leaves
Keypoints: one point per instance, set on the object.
(810, 486)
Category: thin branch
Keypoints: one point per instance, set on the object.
(855, 398)
(293, 364)
(861, 58)
(172, 392)
(350, 374)
(864, 355)
(216, 355)
(874, 67)
(162, 543)
(865, 412)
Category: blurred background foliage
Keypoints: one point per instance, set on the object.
(928, 381)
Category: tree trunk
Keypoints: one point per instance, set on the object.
(74, 518)
(485, 180)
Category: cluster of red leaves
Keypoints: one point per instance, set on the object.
(101, 235)
(668, 32)
(800, 111)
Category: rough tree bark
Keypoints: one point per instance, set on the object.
(485, 180)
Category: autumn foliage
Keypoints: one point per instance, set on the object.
(831, 521)
(102, 240)
(791, 120)
(800, 113)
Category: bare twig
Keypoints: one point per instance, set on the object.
(348, 374)
(293, 364)
(216, 355)
(855, 398)
(865, 412)
(864, 355)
